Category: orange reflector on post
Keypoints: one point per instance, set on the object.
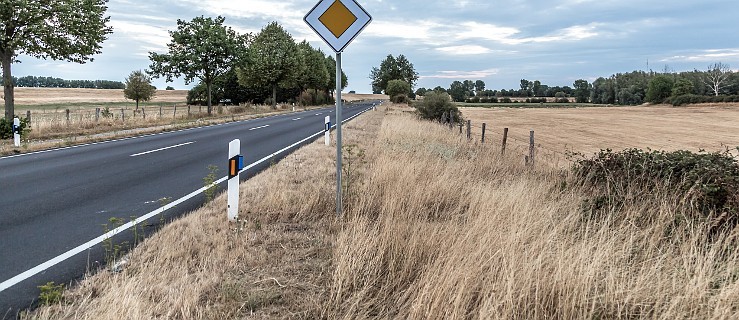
(232, 168)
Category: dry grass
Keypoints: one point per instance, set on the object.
(590, 129)
(45, 96)
(436, 228)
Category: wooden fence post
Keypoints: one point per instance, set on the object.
(484, 125)
(143, 113)
(67, 112)
(188, 111)
(160, 112)
(469, 129)
(531, 147)
(461, 125)
(97, 114)
(174, 115)
(505, 140)
(123, 115)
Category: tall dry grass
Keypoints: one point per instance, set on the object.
(436, 228)
(448, 230)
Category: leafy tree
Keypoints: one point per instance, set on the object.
(58, 30)
(397, 88)
(716, 76)
(525, 88)
(479, 87)
(169, 88)
(313, 71)
(603, 91)
(203, 48)
(682, 87)
(469, 87)
(138, 87)
(582, 91)
(393, 69)
(435, 105)
(439, 89)
(331, 85)
(272, 60)
(660, 88)
(421, 91)
(457, 91)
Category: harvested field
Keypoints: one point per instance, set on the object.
(589, 130)
(26, 98)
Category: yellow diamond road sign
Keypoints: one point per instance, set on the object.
(338, 22)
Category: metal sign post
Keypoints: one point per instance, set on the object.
(17, 131)
(235, 165)
(338, 22)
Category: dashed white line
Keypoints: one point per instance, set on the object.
(257, 128)
(296, 119)
(162, 149)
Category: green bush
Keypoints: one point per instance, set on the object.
(397, 87)
(400, 98)
(694, 98)
(506, 100)
(435, 105)
(705, 184)
(6, 128)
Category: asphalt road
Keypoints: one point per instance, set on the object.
(54, 201)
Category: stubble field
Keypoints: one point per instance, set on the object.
(588, 130)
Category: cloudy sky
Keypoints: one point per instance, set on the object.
(500, 42)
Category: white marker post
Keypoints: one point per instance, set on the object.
(328, 130)
(235, 164)
(17, 131)
(338, 22)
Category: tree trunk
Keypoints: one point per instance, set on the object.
(274, 97)
(8, 87)
(210, 103)
(137, 105)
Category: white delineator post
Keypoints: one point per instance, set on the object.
(328, 130)
(17, 131)
(234, 150)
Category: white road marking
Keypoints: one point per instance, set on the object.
(162, 149)
(257, 128)
(318, 114)
(296, 119)
(89, 244)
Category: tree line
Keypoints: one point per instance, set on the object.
(51, 82)
(718, 83)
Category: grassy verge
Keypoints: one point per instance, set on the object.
(436, 228)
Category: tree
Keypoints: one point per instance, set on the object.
(479, 87)
(457, 91)
(313, 69)
(682, 87)
(536, 88)
(393, 69)
(58, 30)
(397, 88)
(203, 48)
(716, 76)
(138, 87)
(421, 91)
(660, 88)
(525, 88)
(331, 85)
(272, 60)
(582, 91)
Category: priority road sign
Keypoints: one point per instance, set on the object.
(338, 22)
